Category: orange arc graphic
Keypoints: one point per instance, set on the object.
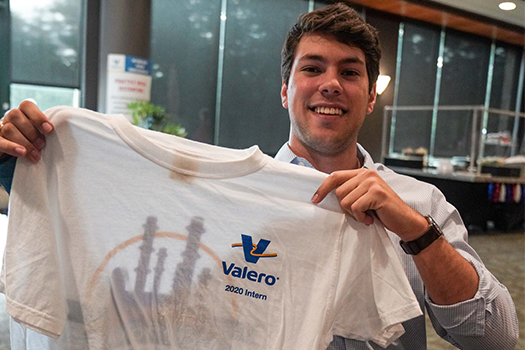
(123, 245)
(254, 249)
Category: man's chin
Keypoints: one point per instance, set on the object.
(332, 147)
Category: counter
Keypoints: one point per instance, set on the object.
(474, 197)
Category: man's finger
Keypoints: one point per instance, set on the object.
(36, 116)
(361, 209)
(331, 182)
(328, 184)
(12, 148)
(17, 124)
(13, 142)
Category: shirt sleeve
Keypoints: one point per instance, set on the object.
(487, 321)
(31, 279)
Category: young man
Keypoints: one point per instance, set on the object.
(330, 62)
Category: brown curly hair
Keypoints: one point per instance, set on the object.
(345, 25)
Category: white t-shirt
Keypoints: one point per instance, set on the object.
(121, 237)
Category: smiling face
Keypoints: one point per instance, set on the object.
(327, 96)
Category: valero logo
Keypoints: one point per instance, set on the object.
(252, 252)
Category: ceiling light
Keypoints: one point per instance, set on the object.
(507, 6)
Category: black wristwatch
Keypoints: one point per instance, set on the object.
(416, 246)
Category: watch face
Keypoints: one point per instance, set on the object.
(434, 224)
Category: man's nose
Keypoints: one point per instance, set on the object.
(331, 85)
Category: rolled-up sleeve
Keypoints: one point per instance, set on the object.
(488, 320)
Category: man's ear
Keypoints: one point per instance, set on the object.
(284, 95)
(372, 96)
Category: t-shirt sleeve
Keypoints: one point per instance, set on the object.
(373, 295)
(31, 273)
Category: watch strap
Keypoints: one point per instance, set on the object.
(416, 246)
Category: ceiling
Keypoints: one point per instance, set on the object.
(489, 8)
(480, 17)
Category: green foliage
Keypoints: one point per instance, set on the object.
(150, 116)
(175, 129)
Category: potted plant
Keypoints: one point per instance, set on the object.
(150, 116)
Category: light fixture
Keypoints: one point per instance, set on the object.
(382, 83)
(507, 6)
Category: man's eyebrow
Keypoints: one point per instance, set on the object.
(353, 60)
(312, 58)
(319, 58)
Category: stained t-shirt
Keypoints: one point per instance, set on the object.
(122, 238)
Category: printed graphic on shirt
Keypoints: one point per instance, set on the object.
(252, 252)
(202, 303)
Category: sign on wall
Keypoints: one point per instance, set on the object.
(128, 80)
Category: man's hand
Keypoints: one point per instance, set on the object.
(22, 131)
(363, 192)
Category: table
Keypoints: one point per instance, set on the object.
(469, 193)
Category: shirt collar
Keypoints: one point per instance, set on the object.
(285, 154)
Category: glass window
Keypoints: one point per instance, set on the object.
(503, 96)
(184, 51)
(465, 69)
(419, 60)
(417, 82)
(505, 77)
(46, 42)
(45, 96)
(251, 110)
(463, 82)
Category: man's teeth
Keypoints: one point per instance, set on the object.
(328, 110)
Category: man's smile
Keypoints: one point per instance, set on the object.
(328, 110)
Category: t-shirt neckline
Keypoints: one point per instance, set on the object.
(188, 157)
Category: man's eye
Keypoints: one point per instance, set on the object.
(311, 69)
(350, 73)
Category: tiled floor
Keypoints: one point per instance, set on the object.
(503, 253)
